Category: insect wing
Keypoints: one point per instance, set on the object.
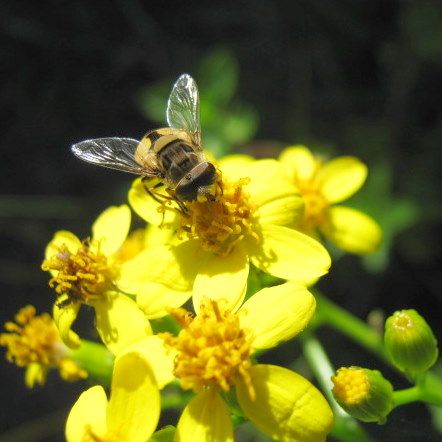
(114, 153)
(183, 108)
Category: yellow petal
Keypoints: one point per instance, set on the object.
(160, 359)
(119, 321)
(352, 230)
(111, 228)
(276, 314)
(235, 167)
(62, 237)
(134, 406)
(87, 417)
(65, 313)
(299, 163)
(206, 418)
(287, 406)
(340, 178)
(155, 299)
(173, 266)
(147, 208)
(289, 254)
(223, 278)
(268, 182)
(285, 210)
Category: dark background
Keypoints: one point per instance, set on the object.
(345, 77)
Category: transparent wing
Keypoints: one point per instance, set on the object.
(183, 108)
(114, 153)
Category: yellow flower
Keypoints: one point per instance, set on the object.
(246, 222)
(214, 352)
(87, 272)
(34, 342)
(322, 185)
(131, 414)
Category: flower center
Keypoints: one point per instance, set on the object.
(223, 222)
(316, 205)
(82, 276)
(212, 348)
(32, 339)
(351, 385)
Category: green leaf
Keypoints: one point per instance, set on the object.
(166, 434)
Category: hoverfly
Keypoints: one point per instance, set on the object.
(173, 155)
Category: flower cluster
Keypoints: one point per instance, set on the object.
(265, 221)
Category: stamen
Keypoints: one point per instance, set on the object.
(83, 276)
(212, 348)
(34, 339)
(222, 222)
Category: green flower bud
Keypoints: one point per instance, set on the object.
(410, 342)
(364, 394)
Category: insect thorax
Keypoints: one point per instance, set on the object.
(177, 159)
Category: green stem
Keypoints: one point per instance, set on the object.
(340, 319)
(345, 428)
(96, 360)
(328, 313)
(401, 397)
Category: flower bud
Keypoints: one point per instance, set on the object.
(364, 394)
(410, 342)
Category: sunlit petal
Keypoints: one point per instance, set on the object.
(64, 316)
(111, 228)
(155, 299)
(298, 162)
(87, 418)
(223, 278)
(134, 405)
(287, 406)
(206, 418)
(160, 359)
(172, 266)
(235, 167)
(352, 230)
(62, 237)
(286, 210)
(276, 314)
(268, 182)
(340, 178)
(289, 254)
(119, 321)
(147, 208)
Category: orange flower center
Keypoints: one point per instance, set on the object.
(212, 348)
(82, 276)
(222, 222)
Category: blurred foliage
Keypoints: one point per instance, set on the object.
(226, 122)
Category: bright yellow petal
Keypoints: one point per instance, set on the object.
(352, 230)
(340, 178)
(287, 406)
(155, 299)
(205, 419)
(235, 166)
(173, 266)
(286, 210)
(158, 235)
(62, 237)
(223, 278)
(134, 406)
(160, 359)
(147, 208)
(289, 254)
(119, 321)
(111, 228)
(299, 163)
(88, 416)
(268, 182)
(64, 316)
(276, 314)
